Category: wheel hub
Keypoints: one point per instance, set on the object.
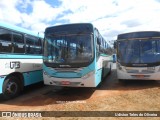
(11, 87)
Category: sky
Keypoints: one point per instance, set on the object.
(111, 17)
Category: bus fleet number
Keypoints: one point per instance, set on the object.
(14, 65)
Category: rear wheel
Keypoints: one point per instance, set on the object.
(11, 87)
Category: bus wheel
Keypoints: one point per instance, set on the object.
(11, 88)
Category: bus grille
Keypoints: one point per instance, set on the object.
(68, 69)
(147, 71)
(132, 71)
(141, 72)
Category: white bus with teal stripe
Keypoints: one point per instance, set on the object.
(20, 59)
(75, 55)
(138, 55)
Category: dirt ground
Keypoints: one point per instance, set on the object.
(111, 96)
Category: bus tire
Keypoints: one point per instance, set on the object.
(110, 70)
(11, 88)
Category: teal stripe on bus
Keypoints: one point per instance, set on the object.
(1, 83)
(33, 77)
(7, 56)
(22, 72)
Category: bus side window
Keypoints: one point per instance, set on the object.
(18, 40)
(30, 44)
(38, 46)
(5, 41)
(101, 46)
(98, 46)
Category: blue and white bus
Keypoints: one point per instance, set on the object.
(20, 59)
(138, 56)
(75, 55)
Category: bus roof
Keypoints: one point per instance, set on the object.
(70, 28)
(19, 29)
(139, 34)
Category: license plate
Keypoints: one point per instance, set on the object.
(65, 82)
(140, 76)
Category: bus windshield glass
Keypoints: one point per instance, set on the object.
(68, 48)
(139, 51)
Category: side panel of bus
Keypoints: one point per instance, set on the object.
(102, 57)
(30, 68)
(20, 59)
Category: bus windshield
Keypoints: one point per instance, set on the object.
(68, 48)
(138, 51)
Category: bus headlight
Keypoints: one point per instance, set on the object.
(88, 75)
(85, 76)
(119, 67)
(44, 72)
